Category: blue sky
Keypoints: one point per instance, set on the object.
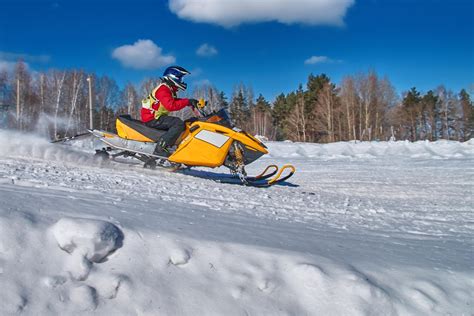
(268, 45)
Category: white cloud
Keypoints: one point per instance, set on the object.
(9, 66)
(313, 60)
(143, 54)
(13, 57)
(206, 50)
(230, 13)
(316, 60)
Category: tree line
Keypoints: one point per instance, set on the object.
(362, 107)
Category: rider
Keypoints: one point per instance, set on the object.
(163, 100)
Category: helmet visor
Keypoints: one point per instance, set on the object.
(178, 83)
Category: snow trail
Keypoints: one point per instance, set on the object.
(366, 228)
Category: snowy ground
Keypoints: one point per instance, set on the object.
(361, 229)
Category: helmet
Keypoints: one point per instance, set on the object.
(174, 75)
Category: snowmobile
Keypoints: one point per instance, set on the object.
(210, 140)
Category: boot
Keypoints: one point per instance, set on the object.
(161, 149)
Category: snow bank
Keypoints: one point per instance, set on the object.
(349, 150)
(15, 144)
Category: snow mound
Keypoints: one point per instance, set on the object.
(92, 239)
(80, 151)
(330, 289)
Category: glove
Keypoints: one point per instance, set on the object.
(193, 103)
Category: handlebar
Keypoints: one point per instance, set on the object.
(199, 109)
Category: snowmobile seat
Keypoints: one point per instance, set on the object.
(129, 128)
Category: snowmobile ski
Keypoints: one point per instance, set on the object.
(264, 175)
(263, 180)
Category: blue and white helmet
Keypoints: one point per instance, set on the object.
(174, 75)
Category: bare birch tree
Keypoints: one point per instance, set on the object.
(58, 78)
(131, 100)
(348, 98)
(75, 89)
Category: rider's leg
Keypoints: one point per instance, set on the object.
(174, 126)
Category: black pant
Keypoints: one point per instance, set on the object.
(174, 126)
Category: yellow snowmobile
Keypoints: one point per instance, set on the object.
(210, 141)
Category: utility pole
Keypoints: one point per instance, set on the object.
(129, 101)
(91, 125)
(18, 102)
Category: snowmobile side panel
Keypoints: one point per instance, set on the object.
(253, 148)
(206, 148)
(117, 142)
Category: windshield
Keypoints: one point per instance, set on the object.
(224, 114)
(220, 117)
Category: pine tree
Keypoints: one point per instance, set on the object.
(411, 103)
(4, 100)
(223, 100)
(281, 110)
(467, 115)
(314, 87)
(430, 102)
(239, 109)
(4, 88)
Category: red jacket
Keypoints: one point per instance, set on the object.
(164, 99)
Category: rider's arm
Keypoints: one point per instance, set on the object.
(166, 98)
